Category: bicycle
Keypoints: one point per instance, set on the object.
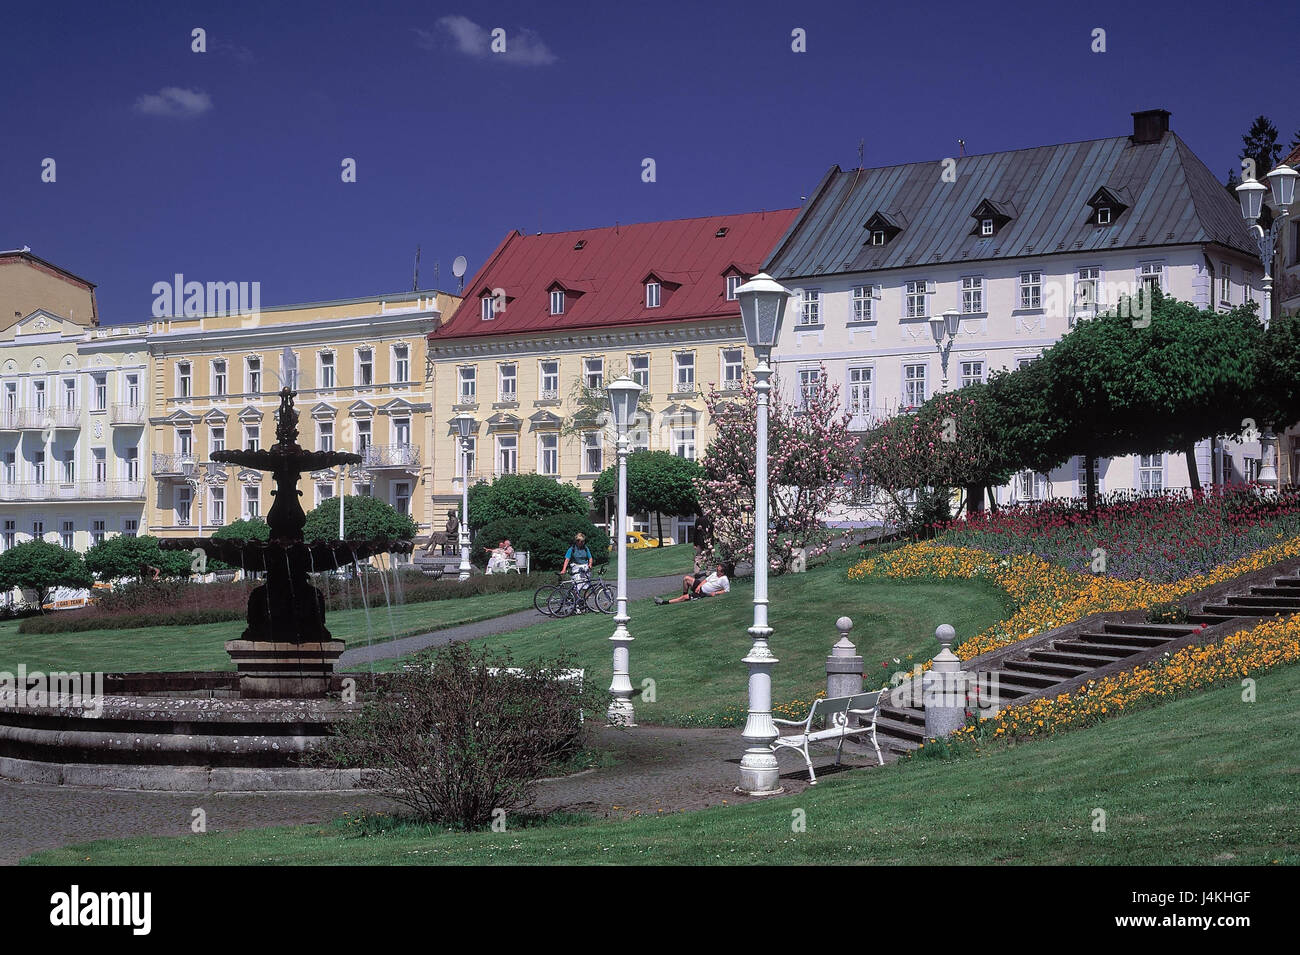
(582, 594)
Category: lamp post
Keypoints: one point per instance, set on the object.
(199, 479)
(623, 396)
(762, 307)
(464, 424)
(942, 327)
(1281, 181)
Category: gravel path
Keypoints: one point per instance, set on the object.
(636, 590)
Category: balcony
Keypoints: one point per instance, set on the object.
(66, 419)
(170, 464)
(10, 419)
(405, 457)
(129, 413)
(74, 491)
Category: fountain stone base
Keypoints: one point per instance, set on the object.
(274, 670)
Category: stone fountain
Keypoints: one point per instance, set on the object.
(286, 651)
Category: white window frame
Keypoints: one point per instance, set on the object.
(1151, 473)
(653, 295)
(506, 445)
(548, 383)
(253, 372)
(1225, 284)
(327, 361)
(251, 501)
(808, 379)
(1154, 268)
(184, 379)
(864, 309)
(683, 361)
(219, 377)
(916, 300)
(401, 363)
(1031, 290)
(325, 435)
(732, 371)
(973, 379)
(858, 387)
(548, 447)
(487, 307)
(466, 375)
(216, 506)
(216, 438)
(508, 395)
(365, 367)
(557, 301)
(915, 386)
(684, 442)
(810, 307)
(591, 443)
(972, 294)
(641, 375)
(986, 226)
(99, 391)
(593, 369)
(734, 282)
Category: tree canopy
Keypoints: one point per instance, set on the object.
(364, 518)
(523, 495)
(40, 566)
(134, 558)
(657, 481)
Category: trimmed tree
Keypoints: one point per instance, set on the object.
(657, 481)
(40, 566)
(244, 529)
(134, 558)
(522, 495)
(364, 518)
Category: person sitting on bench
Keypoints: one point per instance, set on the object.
(703, 585)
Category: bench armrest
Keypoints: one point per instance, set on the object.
(789, 722)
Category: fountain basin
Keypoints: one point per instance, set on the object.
(261, 555)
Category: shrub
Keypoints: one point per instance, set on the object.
(41, 566)
(244, 529)
(523, 495)
(81, 622)
(452, 742)
(364, 518)
(545, 538)
(134, 558)
(933, 507)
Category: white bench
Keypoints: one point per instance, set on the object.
(522, 564)
(836, 712)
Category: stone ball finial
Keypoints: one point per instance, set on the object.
(945, 634)
(844, 625)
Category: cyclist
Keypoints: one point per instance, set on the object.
(577, 560)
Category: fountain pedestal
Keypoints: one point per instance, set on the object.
(272, 669)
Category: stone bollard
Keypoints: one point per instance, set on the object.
(943, 689)
(844, 666)
(799, 560)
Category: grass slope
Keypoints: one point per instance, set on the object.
(1203, 780)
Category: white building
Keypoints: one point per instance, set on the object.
(1022, 244)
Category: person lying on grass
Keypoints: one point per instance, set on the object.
(703, 585)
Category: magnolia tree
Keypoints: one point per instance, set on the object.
(810, 455)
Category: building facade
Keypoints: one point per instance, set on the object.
(551, 318)
(72, 411)
(358, 367)
(1022, 245)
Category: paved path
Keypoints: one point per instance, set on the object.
(636, 590)
(654, 769)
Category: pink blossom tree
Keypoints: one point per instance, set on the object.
(811, 453)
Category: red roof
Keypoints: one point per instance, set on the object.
(608, 272)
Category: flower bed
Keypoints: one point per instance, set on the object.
(1045, 594)
(1159, 538)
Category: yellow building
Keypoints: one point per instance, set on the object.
(215, 382)
(551, 314)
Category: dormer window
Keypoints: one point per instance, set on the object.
(878, 237)
(733, 284)
(487, 307)
(557, 301)
(652, 292)
(990, 216)
(1103, 215)
(882, 227)
(986, 226)
(1106, 205)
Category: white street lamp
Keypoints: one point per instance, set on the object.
(464, 424)
(1281, 181)
(762, 308)
(624, 394)
(942, 326)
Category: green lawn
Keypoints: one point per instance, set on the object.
(692, 650)
(1200, 781)
(203, 647)
(655, 561)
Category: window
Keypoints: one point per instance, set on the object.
(507, 454)
(402, 497)
(1086, 286)
(1151, 473)
(557, 301)
(986, 226)
(507, 379)
(639, 369)
(38, 530)
(733, 367)
(684, 443)
(468, 375)
(327, 370)
(67, 534)
(69, 394)
(252, 502)
(592, 456)
(185, 441)
(183, 500)
(133, 390)
(972, 373)
(1248, 286)
(38, 395)
(325, 436)
(99, 388)
(859, 394)
(733, 284)
(130, 527)
(216, 438)
(365, 367)
(972, 294)
(219, 378)
(915, 300)
(862, 311)
(10, 534)
(11, 468)
(11, 397)
(593, 373)
(471, 454)
(877, 236)
(1103, 215)
(402, 431)
(550, 381)
(324, 490)
(914, 380)
(1032, 486)
(548, 453)
(184, 379)
(38, 467)
(401, 363)
(363, 435)
(252, 440)
(218, 497)
(1025, 362)
(253, 368)
(1225, 283)
(683, 372)
(69, 471)
(1081, 475)
(651, 294)
(810, 307)
(487, 307)
(98, 531)
(132, 464)
(1151, 276)
(808, 378)
(1031, 289)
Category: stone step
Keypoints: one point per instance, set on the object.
(1211, 619)
(1253, 600)
(1286, 581)
(1062, 671)
(1167, 631)
(1276, 592)
(1235, 610)
(1013, 690)
(1089, 661)
(1135, 641)
(1112, 650)
(914, 716)
(1029, 677)
(899, 730)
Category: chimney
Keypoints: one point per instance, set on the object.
(1149, 125)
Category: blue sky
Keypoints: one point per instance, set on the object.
(225, 166)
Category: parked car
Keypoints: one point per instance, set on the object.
(637, 540)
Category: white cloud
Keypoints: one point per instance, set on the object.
(174, 101)
(523, 46)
